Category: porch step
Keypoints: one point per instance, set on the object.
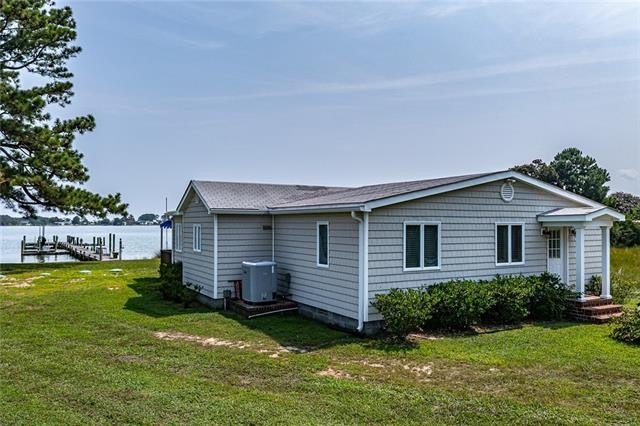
(594, 309)
(601, 319)
(590, 301)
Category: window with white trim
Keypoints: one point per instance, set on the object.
(178, 237)
(509, 243)
(322, 244)
(197, 238)
(421, 246)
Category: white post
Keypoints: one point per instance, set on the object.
(606, 267)
(580, 261)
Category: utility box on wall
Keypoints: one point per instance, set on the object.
(259, 281)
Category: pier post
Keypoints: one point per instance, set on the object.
(120, 250)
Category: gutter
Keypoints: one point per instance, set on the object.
(363, 269)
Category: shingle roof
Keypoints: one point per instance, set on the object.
(258, 196)
(571, 211)
(254, 196)
(368, 193)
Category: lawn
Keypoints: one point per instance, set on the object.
(104, 348)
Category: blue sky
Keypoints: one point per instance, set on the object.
(350, 93)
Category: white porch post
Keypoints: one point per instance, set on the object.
(606, 266)
(580, 260)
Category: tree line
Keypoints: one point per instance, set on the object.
(144, 219)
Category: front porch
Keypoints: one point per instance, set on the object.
(567, 227)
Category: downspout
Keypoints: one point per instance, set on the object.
(273, 242)
(360, 271)
(215, 256)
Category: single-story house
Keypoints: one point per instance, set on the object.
(342, 246)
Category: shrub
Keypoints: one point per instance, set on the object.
(594, 286)
(625, 234)
(171, 286)
(627, 327)
(549, 296)
(456, 304)
(403, 311)
(623, 286)
(507, 299)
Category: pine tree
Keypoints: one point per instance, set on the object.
(39, 167)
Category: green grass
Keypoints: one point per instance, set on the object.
(80, 348)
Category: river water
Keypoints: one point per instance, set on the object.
(139, 242)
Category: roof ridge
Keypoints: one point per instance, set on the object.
(269, 184)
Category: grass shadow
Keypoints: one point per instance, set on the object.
(149, 301)
(294, 330)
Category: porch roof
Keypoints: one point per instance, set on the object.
(580, 214)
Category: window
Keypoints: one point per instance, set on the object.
(509, 243)
(197, 238)
(421, 246)
(178, 237)
(553, 244)
(322, 249)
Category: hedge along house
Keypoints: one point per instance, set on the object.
(342, 246)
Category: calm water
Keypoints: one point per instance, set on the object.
(139, 242)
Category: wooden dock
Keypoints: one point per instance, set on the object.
(99, 249)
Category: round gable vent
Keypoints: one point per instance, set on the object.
(507, 192)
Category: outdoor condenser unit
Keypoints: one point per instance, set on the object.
(259, 283)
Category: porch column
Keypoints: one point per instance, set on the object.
(606, 266)
(580, 261)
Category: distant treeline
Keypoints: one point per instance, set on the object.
(144, 219)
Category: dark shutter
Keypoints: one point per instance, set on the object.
(503, 244)
(430, 245)
(412, 246)
(516, 243)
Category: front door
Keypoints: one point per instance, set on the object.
(555, 252)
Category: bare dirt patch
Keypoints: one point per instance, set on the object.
(337, 374)
(11, 282)
(272, 352)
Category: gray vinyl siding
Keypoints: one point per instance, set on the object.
(197, 267)
(592, 254)
(240, 238)
(177, 255)
(335, 288)
(468, 220)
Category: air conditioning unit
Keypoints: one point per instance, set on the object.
(259, 282)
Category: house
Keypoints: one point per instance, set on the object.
(342, 246)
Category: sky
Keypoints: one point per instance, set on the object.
(350, 93)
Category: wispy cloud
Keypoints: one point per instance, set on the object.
(535, 64)
(630, 174)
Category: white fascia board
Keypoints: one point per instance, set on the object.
(184, 196)
(509, 174)
(606, 212)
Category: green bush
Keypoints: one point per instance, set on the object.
(625, 234)
(594, 286)
(627, 327)
(507, 299)
(171, 286)
(456, 304)
(460, 304)
(404, 311)
(623, 286)
(549, 296)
